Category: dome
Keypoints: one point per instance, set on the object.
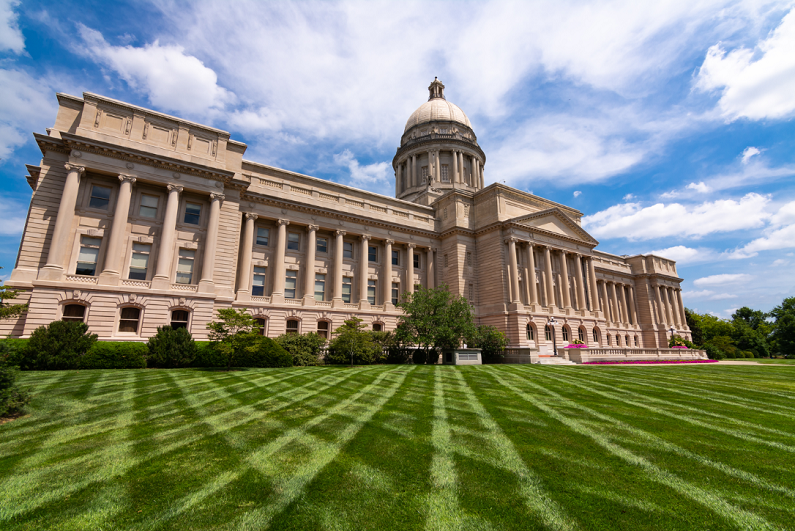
(437, 109)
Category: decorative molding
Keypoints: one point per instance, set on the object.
(124, 177)
(284, 222)
(172, 187)
(312, 228)
(251, 216)
(214, 196)
(73, 167)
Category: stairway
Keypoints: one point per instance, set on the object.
(554, 360)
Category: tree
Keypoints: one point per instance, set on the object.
(434, 319)
(233, 332)
(694, 324)
(58, 345)
(11, 310)
(353, 344)
(490, 340)
(784, 327)
(753, 318)
(305, 348)
(12, 398)
(171, 347)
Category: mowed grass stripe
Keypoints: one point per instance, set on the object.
(740, 517)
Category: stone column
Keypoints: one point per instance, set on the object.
(605, 302)
(430, 268)
(410, 268)
(668, 309)
(633, 305)
(461, 167)
(398, 178)
(456, 178)
(660, 308)
(386, 279)
(363, 269)
(278, 262)
(682, 309)
(594, 288)
(565, 284)
(309, 267)
(206, 284)
(548, 270)
(113, 254)
(581, 304)
(472, 172)
(514, 271)
(337, 301)
(624, 312)
(437, 166)
(430, 167)
(481, 175)
(61, 233)
(531, 274)
(243, 291)
(415, 178)
(675, 315)
(614, 304)
(162, 278)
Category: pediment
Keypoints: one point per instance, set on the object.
(554, 222)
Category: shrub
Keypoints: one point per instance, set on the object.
(58, 345)
(12, 398)
(353, 344)
(491, 341)
(263, 352)
(12, 351)
(171, 347)
(115, 355)
(713, 352)
(207, 356)
(304, 348)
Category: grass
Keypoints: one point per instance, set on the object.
(784, 361)
(404, 447)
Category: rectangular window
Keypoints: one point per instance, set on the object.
(372, 253)
(395, 257)
(445, 173)
(262, 236)
(320, 287)
(371, 291)
(129, 320)
(193, 212)
(293, 241)
(258, 283)
(185, 266)
(100, 197)
(87, 259)
(469, 258)
(395, 293)
(446, 263)
(416, 261)
(471, 292)
(424, 174)
(148, 206)
(346, 289)
(322, 329)
(347, 250)
(140, 261)
(291, 279)
(322, 245)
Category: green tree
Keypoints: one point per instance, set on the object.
(7, 311)
(353, 344)
(305, 348)
(12, 398)
(171, 347)
(694, 324)
(233, 333)
(435, 320)
(784, 327)
(58, 345)
(490, 340)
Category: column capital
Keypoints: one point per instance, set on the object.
(217, 197)
(172, 187)
(124, 177)
(512, 239)
(431, 249)
(389, 242)
(284, 222)
(365, 237)
(74, 167)
(251, 215)
(411, 245)
(310, 228)
(340, 232)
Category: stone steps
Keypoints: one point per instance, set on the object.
(554, 360)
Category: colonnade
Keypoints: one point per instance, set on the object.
(408, 175)
(669, 309)
(619, 302)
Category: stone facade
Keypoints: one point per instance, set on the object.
(140, 219)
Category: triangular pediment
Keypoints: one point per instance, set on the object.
(554, 222)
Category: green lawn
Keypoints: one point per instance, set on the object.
(404, 447)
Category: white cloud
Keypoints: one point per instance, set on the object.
(577, 193)
(700, 187)
(635, 222)
(779, 262)
(372, 177)
(726, 278)
(754, 84)
(170, 78)
(780, 234)
(11, 37)
(685, 255)
(13, 215)
(707, 295)
(28, 104)
(749, 152)
(628, 197)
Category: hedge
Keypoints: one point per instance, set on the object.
(115, 355)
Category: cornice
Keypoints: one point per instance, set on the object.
(559, 214)
(457, 231)
(499, 188)
(436, 138)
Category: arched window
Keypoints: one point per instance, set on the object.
(322, 329)
(292, 326)
(595, 336)
(130, 319)
(548, 332)
(581, 334)
(565, 333)
(530, 333)
(179, 318)
(261, 322)
(74, 312)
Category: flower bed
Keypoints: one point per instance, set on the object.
(573, 345)
(646, 362)
(679, 346)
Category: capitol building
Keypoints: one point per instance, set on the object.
(140, 219)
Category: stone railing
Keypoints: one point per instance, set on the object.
(136, 283)
(294, 302)
(81, 278)
(184, 287)
(582, 355)
(327, 304)
(351, 305)
(260, 299)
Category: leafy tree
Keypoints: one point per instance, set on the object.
(11, 310)
(58, 345)
(490, 340)
(725, 344)
(233, 332)
(784, 327)
(171, 347)
(750, 340)
(305, 348)
(434, 319)
(12, 398)
(353, 344)
(694, 323)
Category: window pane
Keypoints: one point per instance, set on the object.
(90, 242)
(322, 329)
(141, 247)
(88, 255)
(293, 241)
(346, 289)
(292, 327)
(347, 250)
(322, 245)
(179, 319)
(139, 260)
(261, 325)
(192, 213)
(291, 278)
(372, 253)
(100, 197)
(320, 287)
(185, 266)
(129, 320)
(262, 236)
(258, 284)
(395, 292)
(416, 261)
(395, 257)
(74, 312)
(148, 206)
(371, 291)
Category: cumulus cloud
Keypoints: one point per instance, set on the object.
(13, 215)
(700, 187)
(577, 193)
(754, 84)
(628, 197)
(749, 152)
(685, 255)
(779, 235)
(170, 78)
(726, 278)
(27, 103)
(11, 37)
(371, 177)
(707, 295)
(636, 222)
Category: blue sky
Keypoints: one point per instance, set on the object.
(670, 126)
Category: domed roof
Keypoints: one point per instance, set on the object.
(437, 108)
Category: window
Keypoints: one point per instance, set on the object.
(471, 292)
(469, 258)
(446, 263)
(262, 236)
(320, 287)
(258, 283)
(347, 250)
(74, 312)
(548, 333)
(139, 264)
(322, 329)
(595, 337)
(290, 281)
(179, 319)
(322, 245)
(444, 213)
(395, 293)
(371, 291)
(581, 334)
(148, 207)
(185, 266)
(424, 174)
(416, 261)
(395, 257)
(377, 327)
(129, 320)
(100, 197)
(372, 253)
(530, 334)
(627, 342)
(87, 259)
(565, 333)
(445, 173)
(293, 241)
(292, 326)
(608, 340)
(618, 340)
(193, 212)
(636, 341)
(261, 325)
(346, 289)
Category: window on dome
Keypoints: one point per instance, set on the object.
(424, 174)
(445, 173)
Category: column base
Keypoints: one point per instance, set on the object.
(277, 298)
(109, 278)
(364, 305)
(515, 306)
(206, 286)
(337, 303)
(50, 272)
(243, 296)
(308, 301)
(161, 283)
(389, 307)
